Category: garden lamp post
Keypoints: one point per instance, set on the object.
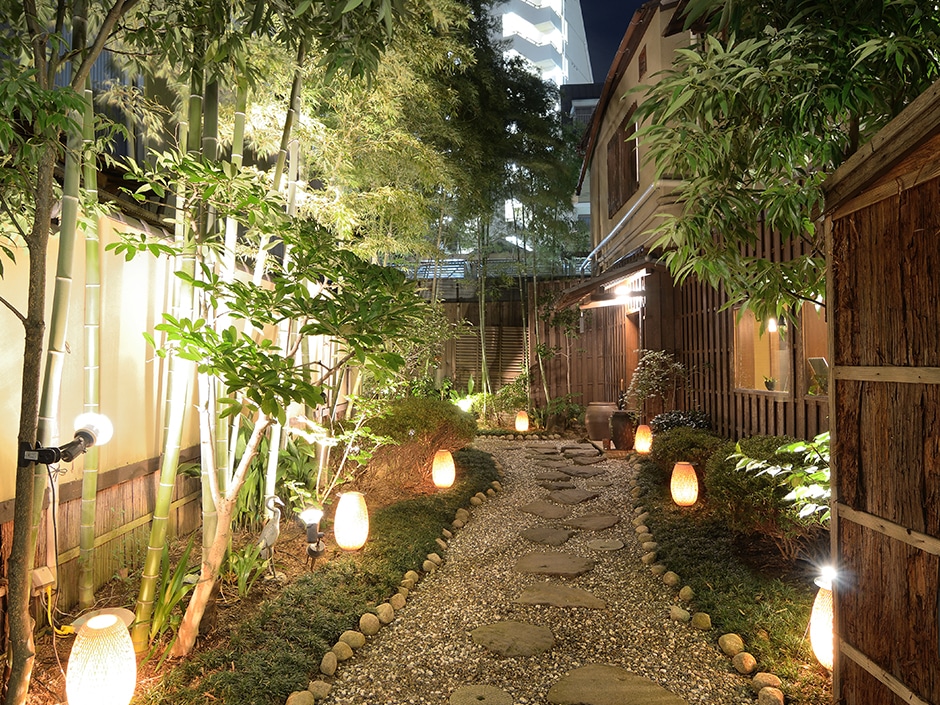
(311, 517)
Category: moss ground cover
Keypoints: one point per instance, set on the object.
(742, 584)
(278, 648)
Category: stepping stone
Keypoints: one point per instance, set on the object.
(552, 463)
(547, 535)
(593, 522)
(514, 638)
(589, 460)
(587, 447)
(557, 485)
(608, 685)
(605, 544)
(546, 510)
(582, 472)
(559, 596)
(549, 563)
(575, 496)
(598, 484)
(480, 695)
(552, 475)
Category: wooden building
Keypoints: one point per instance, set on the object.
(749, 381)
(883, 230)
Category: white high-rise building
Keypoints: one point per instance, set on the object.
(550, 34)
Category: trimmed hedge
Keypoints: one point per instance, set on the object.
(691, 445)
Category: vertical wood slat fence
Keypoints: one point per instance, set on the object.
(884, 255)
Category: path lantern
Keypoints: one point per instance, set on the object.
(643, 441)
(443, 472)
(522, 422)
(820, 621)
(684, 484)
(102, 667)
(351, 522)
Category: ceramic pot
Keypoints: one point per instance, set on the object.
(621, 430)
(597, 419)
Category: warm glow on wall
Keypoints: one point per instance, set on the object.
(684, 485)
(820, 621)
(102, 668)
(443, 471)
(351, 523)
(643, 441)
(522, 422)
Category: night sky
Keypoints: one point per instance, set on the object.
(605, 22)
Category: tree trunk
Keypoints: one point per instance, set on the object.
(212, 562)
(20, 564)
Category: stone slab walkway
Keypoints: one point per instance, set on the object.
(583, 623)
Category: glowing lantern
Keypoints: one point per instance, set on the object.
(351, 523)
(684, 485)
(820, 621)
(771, 325)
(443, 472)
(102, 667)
(643, 441)
(522, 422)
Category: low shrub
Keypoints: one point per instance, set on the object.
(691, 445)
(418, 428)
(674, 419)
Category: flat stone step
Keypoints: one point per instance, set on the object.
(574, 471)
(559, 596)
(557, 485)
(552, 476)
(599, 684)
(589, 460)
(593, 522)
(480, 695)
(573, 496)
(605, 544)
(544, 509)
(565, 565)
(511, 638)
(560, 463)
(547, 535)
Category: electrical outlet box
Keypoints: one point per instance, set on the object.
(41, 577)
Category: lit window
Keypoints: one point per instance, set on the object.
(815, 349)
(761, 361)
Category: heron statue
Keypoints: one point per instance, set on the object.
(270, 531)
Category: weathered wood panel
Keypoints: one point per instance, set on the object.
(885, 325)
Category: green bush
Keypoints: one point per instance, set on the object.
(691, 445)
(674, 419)
(410, 417)
(755, 503)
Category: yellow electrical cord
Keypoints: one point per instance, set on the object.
(64, 631)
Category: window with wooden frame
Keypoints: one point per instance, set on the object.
(815, 337)
(761, 359)
(623, 168)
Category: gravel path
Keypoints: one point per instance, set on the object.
(427, 652)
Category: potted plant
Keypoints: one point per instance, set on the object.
(770, 383)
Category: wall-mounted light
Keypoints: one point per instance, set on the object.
(90, 430)
(102, 667)
(522, 422)
(643, 441)
(311, 517)
(351, 523)
(771, 325)
(820, 621)
(443, 471)
(684, 484)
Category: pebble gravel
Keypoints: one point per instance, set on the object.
(427, 653)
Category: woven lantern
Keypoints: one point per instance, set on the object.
(522, 422)
(643, 441)
(102, 667)
(820, 621)
(351, 523)
(684, 485)
(443, 472)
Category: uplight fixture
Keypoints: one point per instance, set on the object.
(311, 517)
(90, 430)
